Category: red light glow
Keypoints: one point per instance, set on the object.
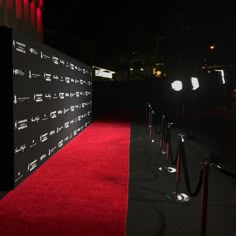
(40, 4)
(1, 3)
(32, 14)
(39, 20)
(9, 6)
(18, 9)
(212, 47)
(26, 11)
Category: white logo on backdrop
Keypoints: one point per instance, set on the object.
(45, 117)
(55, 60)
(59, 129)
(44, 56)
(32, 165)
(47, 77)
(20, 148)
(61, 95)
(66, 124)
(62, 62)
(55, 77)
(42, 157)
(20, 99)
(48, 95)
(52, 132)
(33, 51)
(33, 75)
(51, 150)
(53, 114)
(19, 176)
(35, 119)
(21, 124)
(19, 46)
(18, 72)
(33, 143)
(43, 137)
(60, 143)
(38, 97)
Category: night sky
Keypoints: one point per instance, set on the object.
(125, 27)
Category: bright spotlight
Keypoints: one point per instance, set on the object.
(177, 85)
(195, 83)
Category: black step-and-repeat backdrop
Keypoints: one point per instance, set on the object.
(51, 99)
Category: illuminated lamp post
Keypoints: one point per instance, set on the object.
(212, 46)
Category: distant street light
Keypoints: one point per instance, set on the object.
(130, 57)
(212, 46)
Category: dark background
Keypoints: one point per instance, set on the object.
(109, 30)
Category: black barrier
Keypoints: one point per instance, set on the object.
(223, 170)
(204, 205)
(180, 159)
(158, 132)
(167, 169)
(186, 175)
(202, 184)
(169, 149)
(177, 196)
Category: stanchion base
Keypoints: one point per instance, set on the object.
(163, 152)
(181, 197)
(167, 169)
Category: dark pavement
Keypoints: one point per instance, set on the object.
(209, 136)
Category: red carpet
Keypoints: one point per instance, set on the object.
(80, 191)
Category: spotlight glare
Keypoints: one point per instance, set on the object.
(177, 85)
(195, 83)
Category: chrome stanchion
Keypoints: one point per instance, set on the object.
(148, 114)
(177, 196)
(163, 134)
(167, 169)
(151, 127)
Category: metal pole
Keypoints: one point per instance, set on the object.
(150, 127)
(177, 196)
(178, 166)
(205, 166)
